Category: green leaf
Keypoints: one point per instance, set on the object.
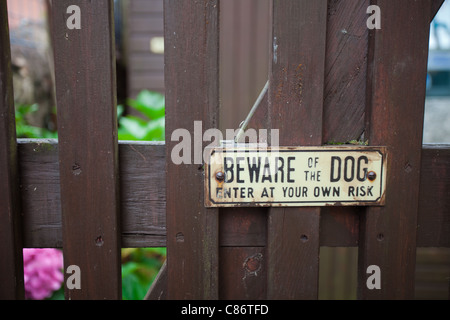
(151, 104)
(26, 131)
(120, 111)
(135, 280)
(58, 294)
(139, 269)
(155, 130)
(124, 134)
(132, 288)
(129, 267)
(134, 127)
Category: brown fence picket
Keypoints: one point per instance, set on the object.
(396, 94)
(295, 108)
(344, 102)
(88, 148)
(345, 70)
(433, 217)
(11, 265)
(192, 94)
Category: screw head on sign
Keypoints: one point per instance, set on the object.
(371, 176)
(220, 176)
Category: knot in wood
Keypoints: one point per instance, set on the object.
(253, 263)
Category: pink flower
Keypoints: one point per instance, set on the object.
(42, 272)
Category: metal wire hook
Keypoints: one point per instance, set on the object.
(245, 123)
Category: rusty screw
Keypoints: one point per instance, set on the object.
(220, 176)
(371, 176)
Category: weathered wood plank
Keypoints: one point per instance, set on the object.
(143, 194)
(344, 101)
(243, 227)
(11, 265)
(143, 198)
(88, 152)
(345, 71)
(340, 226)
(243, 273)
(192, 94)
(295, 108)
(396, 96)
(433, 220)
(40, 193)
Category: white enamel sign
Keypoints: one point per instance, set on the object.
(295, 176)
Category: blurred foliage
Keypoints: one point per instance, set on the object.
(147, 123)
(25, 130)
(139, 268)
(150, 125)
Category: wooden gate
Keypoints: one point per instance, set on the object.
(332, 79)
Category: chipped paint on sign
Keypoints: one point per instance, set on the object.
(295, 176)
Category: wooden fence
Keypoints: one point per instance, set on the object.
(243, 53)
(331, 79)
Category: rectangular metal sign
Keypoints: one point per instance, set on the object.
(295, 176)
